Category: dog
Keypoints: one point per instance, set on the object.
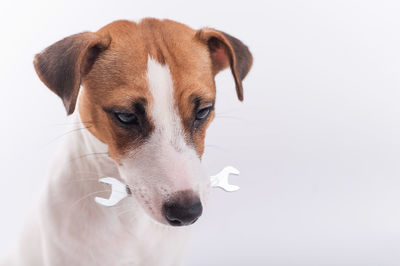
(146, 97)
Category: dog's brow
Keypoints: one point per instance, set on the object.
(201, 99)
(138, 106)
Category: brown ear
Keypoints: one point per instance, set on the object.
(226, 50)
(62, 65)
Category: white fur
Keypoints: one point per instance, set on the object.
(164, 111)
(69, 228)
(165, 163)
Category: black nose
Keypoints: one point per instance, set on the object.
(182, 210)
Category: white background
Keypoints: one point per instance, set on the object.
(317, 138)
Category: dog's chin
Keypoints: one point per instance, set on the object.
(157, 218)
(151, 211)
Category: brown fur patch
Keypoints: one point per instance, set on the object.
(226, 50)
(62, 74)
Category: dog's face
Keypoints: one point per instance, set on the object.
(148, 93)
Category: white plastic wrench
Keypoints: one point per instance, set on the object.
(221, 179)
(120, 191)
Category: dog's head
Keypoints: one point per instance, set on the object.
(148, 93)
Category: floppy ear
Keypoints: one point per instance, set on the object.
(62, 66)
(226, 50)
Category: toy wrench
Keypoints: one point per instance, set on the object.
(221, 179)
(120, 191)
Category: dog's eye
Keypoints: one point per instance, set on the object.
(203, 113)
(126, 118)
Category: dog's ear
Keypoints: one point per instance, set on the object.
(226, 50)
(62, 66)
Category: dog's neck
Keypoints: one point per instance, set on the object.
(124, 230)
(80, 162)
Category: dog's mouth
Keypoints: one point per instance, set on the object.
(181, 208)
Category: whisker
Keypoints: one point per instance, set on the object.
(227, 111)
(87, 196)
(73, 123)
(83, 180)
(230, 117)
(88, 172)
(92, 256)
(89, 154)
(69, 132)
(124, 212)
(216, 147)
(120, 206)
(133, 154)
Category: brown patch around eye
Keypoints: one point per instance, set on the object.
(194, 127)
(200, 133)
(130, 134)
(122, 139)
(201, 112)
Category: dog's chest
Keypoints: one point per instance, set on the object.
(99, 235)
(140, 241)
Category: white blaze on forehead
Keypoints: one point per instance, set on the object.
(164, 111)
(167, 146)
